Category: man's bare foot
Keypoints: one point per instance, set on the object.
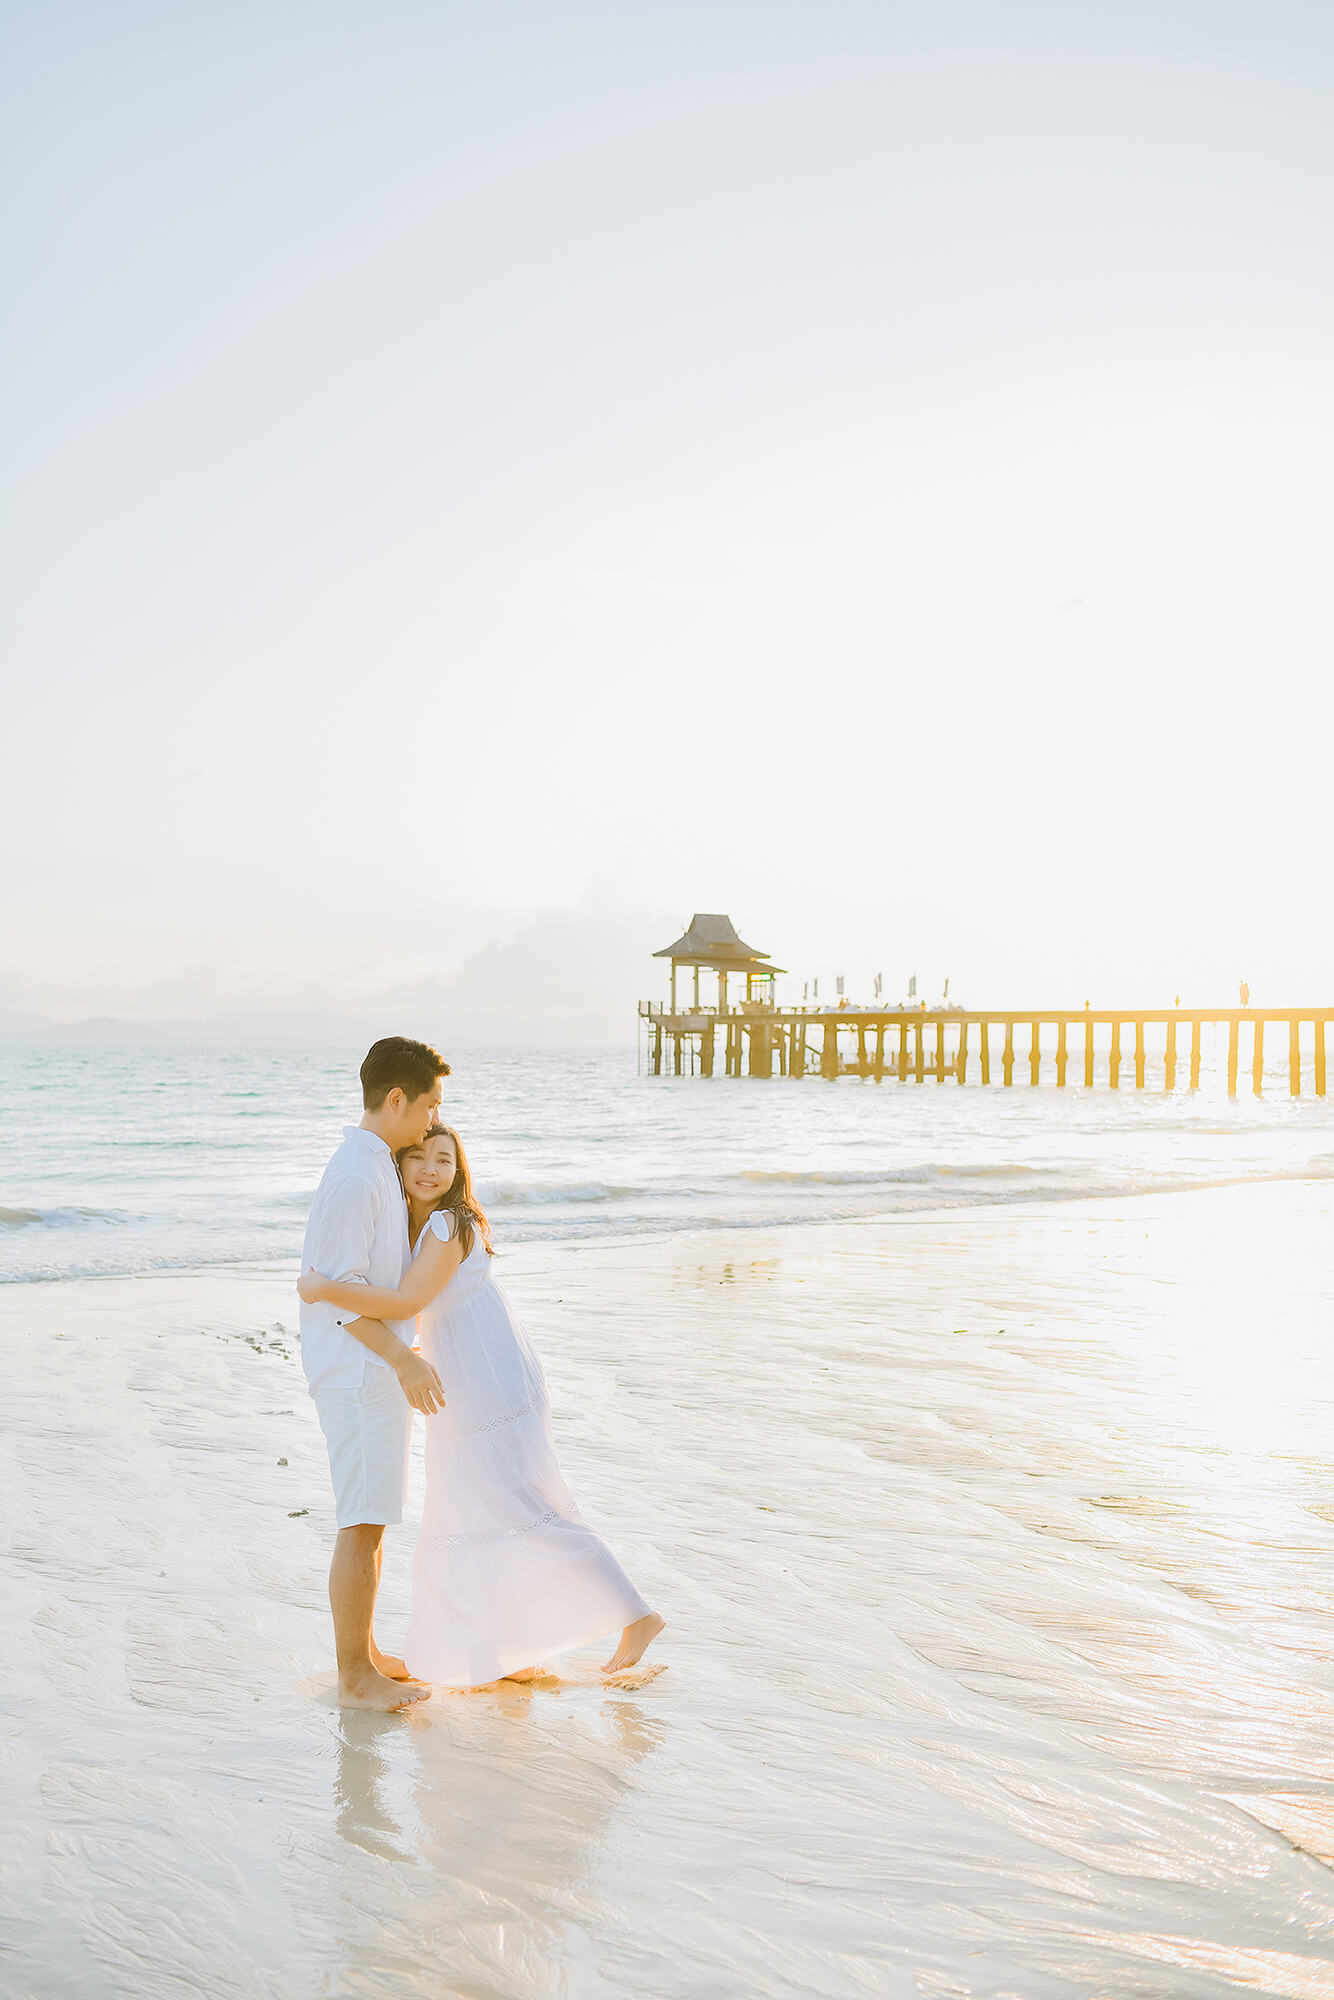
(392, 1667)
(635, 1642)
(523, 1674)
(368, 1689)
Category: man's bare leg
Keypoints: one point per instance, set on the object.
(388, 1664)
(354, 1576)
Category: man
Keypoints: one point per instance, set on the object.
(363, 1376)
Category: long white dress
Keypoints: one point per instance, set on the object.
(507, 1572)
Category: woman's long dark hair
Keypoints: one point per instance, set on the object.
(458, 1198)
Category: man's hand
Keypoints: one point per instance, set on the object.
(420, 1383)
(311, 1285)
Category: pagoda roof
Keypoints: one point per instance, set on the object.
(712, 940)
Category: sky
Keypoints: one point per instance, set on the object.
(485, 481)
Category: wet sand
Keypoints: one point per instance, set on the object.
(998, 1554)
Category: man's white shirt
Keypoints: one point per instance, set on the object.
(357, 1233)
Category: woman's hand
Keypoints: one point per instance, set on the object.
(419, 1382)
(311, 1286)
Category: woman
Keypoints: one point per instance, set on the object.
(507, 1573)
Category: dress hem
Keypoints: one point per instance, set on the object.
(533, 1657)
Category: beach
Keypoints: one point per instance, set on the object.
(691, 641)
(996, 1549)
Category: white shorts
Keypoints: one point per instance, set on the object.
(368, 1432)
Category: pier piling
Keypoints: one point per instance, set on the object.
(759, 1039)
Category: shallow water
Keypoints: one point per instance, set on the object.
(997, 1554)
(141, 1159)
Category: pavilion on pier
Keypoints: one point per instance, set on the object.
(711, 942)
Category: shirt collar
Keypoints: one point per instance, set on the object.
(366, 1140)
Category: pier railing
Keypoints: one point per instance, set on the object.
(758, 1039)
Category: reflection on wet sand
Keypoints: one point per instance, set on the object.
(362, 1812)
(499, 1800)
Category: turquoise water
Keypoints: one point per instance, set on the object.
(119, 1160)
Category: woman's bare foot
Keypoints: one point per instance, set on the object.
(369, 1689)
(523, 1674)
(392, 1667)
(635, 1642)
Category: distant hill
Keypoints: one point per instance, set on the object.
(219, 1028)
(22, 1024)
(569, 979)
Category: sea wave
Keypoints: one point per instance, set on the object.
(839, 1176)
(39, 1256)
(572, 1150)
(57, 1218)
(515, 1194)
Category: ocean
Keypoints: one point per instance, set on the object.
(120, 1161)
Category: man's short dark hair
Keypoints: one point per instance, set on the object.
(399, 1064)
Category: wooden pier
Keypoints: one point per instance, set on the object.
(756, 1037)
(949, 1045)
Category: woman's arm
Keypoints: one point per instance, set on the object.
(435, 1266)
